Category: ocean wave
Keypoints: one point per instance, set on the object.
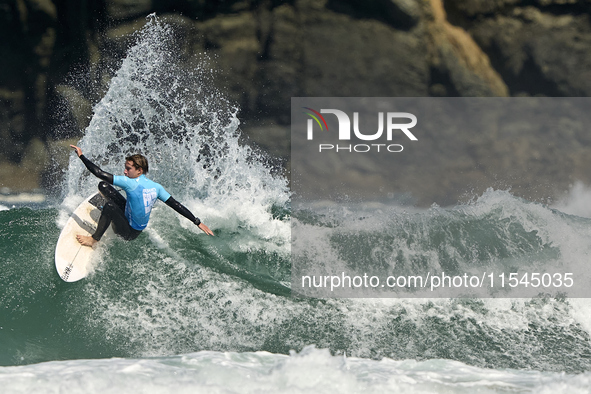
(311, 370)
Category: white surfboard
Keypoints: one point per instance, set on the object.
(72, 260)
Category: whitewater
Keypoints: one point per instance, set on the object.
(176, 311)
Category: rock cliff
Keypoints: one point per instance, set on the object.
(58, 56)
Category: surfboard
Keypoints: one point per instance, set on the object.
(72, 260)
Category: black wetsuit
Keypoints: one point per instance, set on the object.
(113, 212)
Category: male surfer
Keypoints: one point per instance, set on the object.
(129, 217)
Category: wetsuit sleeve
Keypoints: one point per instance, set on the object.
(96, 171)
(180, 208)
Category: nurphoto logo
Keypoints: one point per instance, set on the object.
(393, 127)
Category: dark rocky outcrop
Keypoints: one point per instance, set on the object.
(58, 55)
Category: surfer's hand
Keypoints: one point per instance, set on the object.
(78, 150)
(205, 229)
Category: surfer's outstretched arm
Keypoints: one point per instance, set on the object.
(181, 209)
(93, 168)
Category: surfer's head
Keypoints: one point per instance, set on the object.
(138, 162)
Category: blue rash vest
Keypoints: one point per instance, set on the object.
(141, 196)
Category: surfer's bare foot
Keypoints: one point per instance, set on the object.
(86, 240)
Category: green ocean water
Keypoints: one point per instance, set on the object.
(176, 291)
(44, 318)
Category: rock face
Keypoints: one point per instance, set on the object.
(58, 56)
(540, 49)
(28, 38)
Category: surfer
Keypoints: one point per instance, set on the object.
(130, 216)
